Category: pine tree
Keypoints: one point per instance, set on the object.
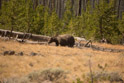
(52, 24)
(46, 19)
(29, 16)
(9, 14)
(107, 22)
(121, 29)
(38, 21)
(68, 15)
(89, 22)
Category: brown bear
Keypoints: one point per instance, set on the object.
(63, 40)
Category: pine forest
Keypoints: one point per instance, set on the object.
(92, 19)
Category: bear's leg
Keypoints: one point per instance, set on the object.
(70, 45)
(57, 44)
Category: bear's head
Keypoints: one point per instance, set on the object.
(52, 39)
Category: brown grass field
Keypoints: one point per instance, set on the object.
(73, 60)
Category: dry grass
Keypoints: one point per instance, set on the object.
(106, 45)
(73, 60)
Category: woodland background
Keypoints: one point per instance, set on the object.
(92, 19)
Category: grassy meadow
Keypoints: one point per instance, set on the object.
(74, 61)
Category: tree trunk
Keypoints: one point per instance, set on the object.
(0, 3)
(93, 4)
(108, 1)
(44, 2)
(12, 24)
(72, 6)
(60, 9)
(84, 8)
(80, 7)
(118, 11)
(101, 28)
(36, 3)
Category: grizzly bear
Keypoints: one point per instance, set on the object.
(63, 40)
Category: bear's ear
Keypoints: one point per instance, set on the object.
(52, 38)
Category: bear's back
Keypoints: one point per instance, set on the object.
(66, 40)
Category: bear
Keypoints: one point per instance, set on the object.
(63, 40)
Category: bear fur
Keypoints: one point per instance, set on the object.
(63, 40)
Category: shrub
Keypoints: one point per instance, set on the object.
(56, 75)
(106, 76)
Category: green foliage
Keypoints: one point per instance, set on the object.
(52, 25)
(102, 22)
(68, 17)
(79, 81)
(121, 24)
(38, 20)
(110, 24)
(90, 23)
(121, 28)
(29, 14)
(94, 23)
(51, 75)
(8, 14)
(17, 15)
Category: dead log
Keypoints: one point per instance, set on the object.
(35, 42)
(39, 38)
(21, 35)
(3, 32)
(88, 44)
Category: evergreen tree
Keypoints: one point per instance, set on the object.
(29, 16)
(52, 25)
(10, 14)
(38, 20)
(68, 15)
(46, 20)
(95, 23)
(121, 29)
(107, 22)
(89, 22)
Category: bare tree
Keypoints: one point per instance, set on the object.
(60, 4)
(93, 4)
(80, 7)
(119, 2)
(35, 3)
(0, 3)
(62, 7)
(72, 5)
(44, 2)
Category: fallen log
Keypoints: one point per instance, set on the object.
(21, 35)
(31, 42)
(39, 38)
(3, 33)
(88, 44)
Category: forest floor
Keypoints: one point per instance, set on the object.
(76, 62)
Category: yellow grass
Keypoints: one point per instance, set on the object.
(105, 45)
(73, 60)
